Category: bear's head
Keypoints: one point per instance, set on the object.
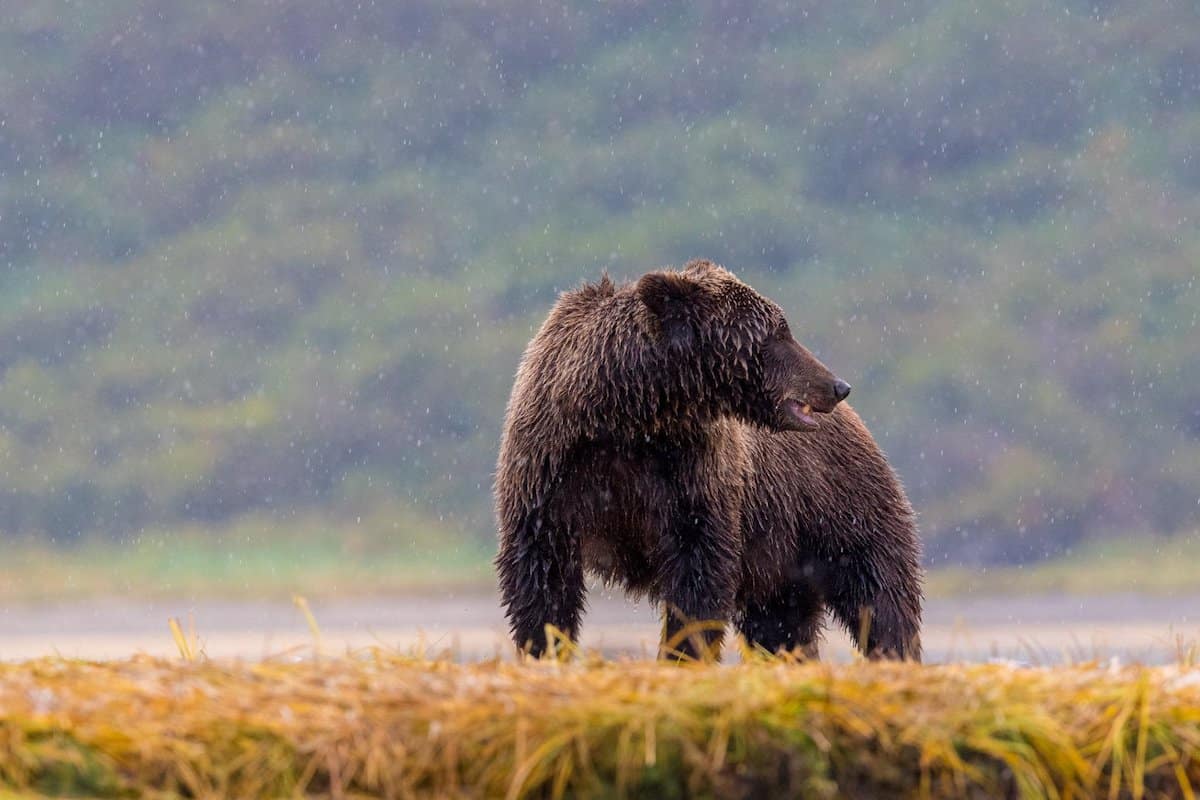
(736, 343)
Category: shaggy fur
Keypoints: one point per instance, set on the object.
(660, 436)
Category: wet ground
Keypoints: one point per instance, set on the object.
(1041, 629)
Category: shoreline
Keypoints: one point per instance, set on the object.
(1037, 629)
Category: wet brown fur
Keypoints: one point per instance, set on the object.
(647, 442)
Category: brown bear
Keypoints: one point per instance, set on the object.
(672, 437)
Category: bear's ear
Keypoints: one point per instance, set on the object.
(671, 297)
(667, 294)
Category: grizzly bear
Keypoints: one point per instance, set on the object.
(670, 436)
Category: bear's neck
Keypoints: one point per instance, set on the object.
(668, 393)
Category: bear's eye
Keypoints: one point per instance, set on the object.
(783, 331)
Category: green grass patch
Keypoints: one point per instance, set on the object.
(187, 566)
(252, 561)
(1141, 565)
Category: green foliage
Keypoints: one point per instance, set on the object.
(251, 260)
(255, 556)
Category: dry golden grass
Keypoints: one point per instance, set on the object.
(383, 725)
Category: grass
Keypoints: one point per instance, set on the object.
(383, 725)
(189, 566)
(1140, 565)
(256, 560)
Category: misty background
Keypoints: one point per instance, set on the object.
(267, 268)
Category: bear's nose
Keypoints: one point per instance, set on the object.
(841, 390)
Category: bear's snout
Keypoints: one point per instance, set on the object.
(841, 389)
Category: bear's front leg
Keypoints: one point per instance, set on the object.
(541, 580)
(697, 564)
(892, 628)
(880, 595)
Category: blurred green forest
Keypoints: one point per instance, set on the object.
(267, 268)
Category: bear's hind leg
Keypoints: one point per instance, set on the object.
(541, 582)
(788, 622)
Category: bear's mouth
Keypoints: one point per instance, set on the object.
(800, 415)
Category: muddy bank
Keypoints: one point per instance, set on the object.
(1041, 629)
